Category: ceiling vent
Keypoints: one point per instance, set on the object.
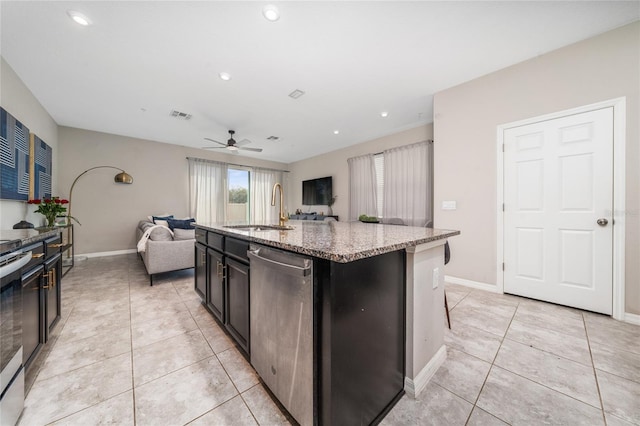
(296, 94)
(180, 115)
(273, 138)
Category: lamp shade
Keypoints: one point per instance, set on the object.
(123, 177)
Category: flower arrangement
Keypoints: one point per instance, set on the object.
(51, 208)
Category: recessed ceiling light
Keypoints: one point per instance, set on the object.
(79, 18)
(271, 13)
(384, 114)
(335, 132)
(225, 76)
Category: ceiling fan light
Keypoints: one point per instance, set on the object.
(271, 13)
(232, 148)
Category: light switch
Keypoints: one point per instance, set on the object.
(436, 277)
(448, 205)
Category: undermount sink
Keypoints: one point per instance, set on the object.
(260, 227)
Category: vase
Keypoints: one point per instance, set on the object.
(51, 221)
(329, 211)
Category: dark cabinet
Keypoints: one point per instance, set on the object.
(32, 320)
(52, 293)
(215, 297)
(41, 295)
(222, 281)
(201, 271)
(238, 301)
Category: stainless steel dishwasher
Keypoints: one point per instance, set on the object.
(281, 312)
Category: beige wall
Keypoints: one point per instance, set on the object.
(109, 212)
(18, 100)
(335, 164)
(465, 121)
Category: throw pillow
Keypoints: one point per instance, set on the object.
(181, 224)
(165, 217)
(158, 215)
(184, 234)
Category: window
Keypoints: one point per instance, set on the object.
(379, 164)
(219, 192)
(238, 190)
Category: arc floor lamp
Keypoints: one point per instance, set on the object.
(122, 178)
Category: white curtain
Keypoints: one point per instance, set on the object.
(362, 186)
(207, 190)
(408, 183)
(261, 182)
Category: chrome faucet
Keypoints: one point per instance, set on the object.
(282, 219)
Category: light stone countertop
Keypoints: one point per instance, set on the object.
(336, 241)
(30, 235)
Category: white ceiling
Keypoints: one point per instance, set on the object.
(140, 60)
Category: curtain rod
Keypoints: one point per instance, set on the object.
(204, 160)
(427, 141)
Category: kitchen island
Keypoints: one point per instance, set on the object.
(376, 311)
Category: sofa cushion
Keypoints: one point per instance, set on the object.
(184, 234)
(181, 224)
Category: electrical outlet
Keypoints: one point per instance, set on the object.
(449, 205)
(436, 277)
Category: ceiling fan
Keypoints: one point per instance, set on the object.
(232, 145)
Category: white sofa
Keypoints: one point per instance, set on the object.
(165, 252)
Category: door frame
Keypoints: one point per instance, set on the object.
(619, 191)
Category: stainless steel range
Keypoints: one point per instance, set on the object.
(11, 373)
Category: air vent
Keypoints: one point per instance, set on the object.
(273, 138)
(180, 115)
(296, 94)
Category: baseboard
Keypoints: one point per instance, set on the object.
(473, 284)
(632, 318)
(414, 387)
(107, 253)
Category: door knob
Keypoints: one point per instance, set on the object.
(602, 221)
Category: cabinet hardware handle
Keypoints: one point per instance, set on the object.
(57, 245)
(203, 258)
(37, 255)
(48, 278)
(53, 277)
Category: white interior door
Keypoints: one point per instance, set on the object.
(558, 193)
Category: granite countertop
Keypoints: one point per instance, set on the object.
(337, 241)
(30, 235)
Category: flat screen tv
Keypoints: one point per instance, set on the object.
(317, 192)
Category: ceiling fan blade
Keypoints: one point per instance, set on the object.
(250, 149)
(213, 140)
(243, 142)
(213, 147)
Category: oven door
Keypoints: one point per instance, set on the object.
(11, 374)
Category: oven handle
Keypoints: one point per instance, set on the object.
(24, 258)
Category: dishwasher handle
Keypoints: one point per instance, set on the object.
(254, 256)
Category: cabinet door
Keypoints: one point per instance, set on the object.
(215, 296)
(52, 292)
(238, 302)
(201, 271)
(32, 321)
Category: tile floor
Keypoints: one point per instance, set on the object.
(125, 353)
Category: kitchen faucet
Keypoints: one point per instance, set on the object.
(282, 219)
